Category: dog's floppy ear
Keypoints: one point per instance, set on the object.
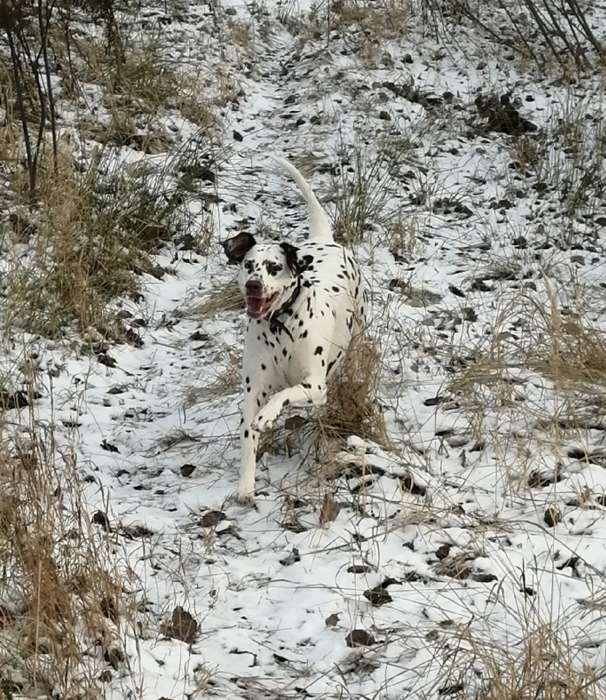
(236, 248)
(292, 257)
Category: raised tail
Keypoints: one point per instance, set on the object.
(320, 228)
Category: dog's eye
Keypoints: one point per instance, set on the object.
(273, 268)
(249, 266)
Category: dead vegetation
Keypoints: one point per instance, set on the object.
(548, 33)
(352, 406)
(227, 297)
(63, 603)
(363, 194)
(542, 664)
(375, 21)
(92, 238)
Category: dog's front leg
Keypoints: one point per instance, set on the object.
(249, 441)
(311, 391)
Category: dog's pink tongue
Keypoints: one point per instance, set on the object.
(254, 305)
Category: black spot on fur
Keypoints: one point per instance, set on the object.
(319, 350)
(246, 433)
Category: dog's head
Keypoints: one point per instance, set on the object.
(268, 272)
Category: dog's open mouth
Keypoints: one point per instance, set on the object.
(257, 307)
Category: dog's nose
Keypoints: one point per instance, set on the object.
(254, 288)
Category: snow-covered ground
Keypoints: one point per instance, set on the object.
(483, 521)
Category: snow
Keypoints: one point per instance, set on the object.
(261, 589)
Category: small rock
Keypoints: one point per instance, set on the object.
(483, 577)
(456, 291)
(100, 518)
(187, 469)
(469, 314)
(134, 532)
(453, 689)
(106, 359)
(409, 485)
(292, 558)
(359, 638)
(10, 400)
(199, 336)
(108, 447)
(212, 518)
(434, 401)
(332, 620)
(552, 516)
(105, 676)
(114, 657)
(133, 338)
(182, 626)
(480, 286)
(377, 596)
(359, 569)
(442, 551)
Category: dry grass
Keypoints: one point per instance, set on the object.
(565, 347)
(376, 21)
(571, 352)
(548, 35)
(352, 407)
(226, 297)
(226, 382)
(543, 665)
(140, 83)
(93, 235)
(61, 600)
(362, 193)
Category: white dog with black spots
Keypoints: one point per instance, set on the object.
(304, 304)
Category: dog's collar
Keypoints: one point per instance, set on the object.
(274, 321)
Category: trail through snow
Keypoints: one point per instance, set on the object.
(438, 546)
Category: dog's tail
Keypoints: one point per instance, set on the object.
(320, 228)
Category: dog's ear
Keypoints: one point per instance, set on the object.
(292, 257)
(236, 248)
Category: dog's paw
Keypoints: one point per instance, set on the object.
(246, 498)
(265, 418)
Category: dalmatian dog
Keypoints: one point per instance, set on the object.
(304, 304)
